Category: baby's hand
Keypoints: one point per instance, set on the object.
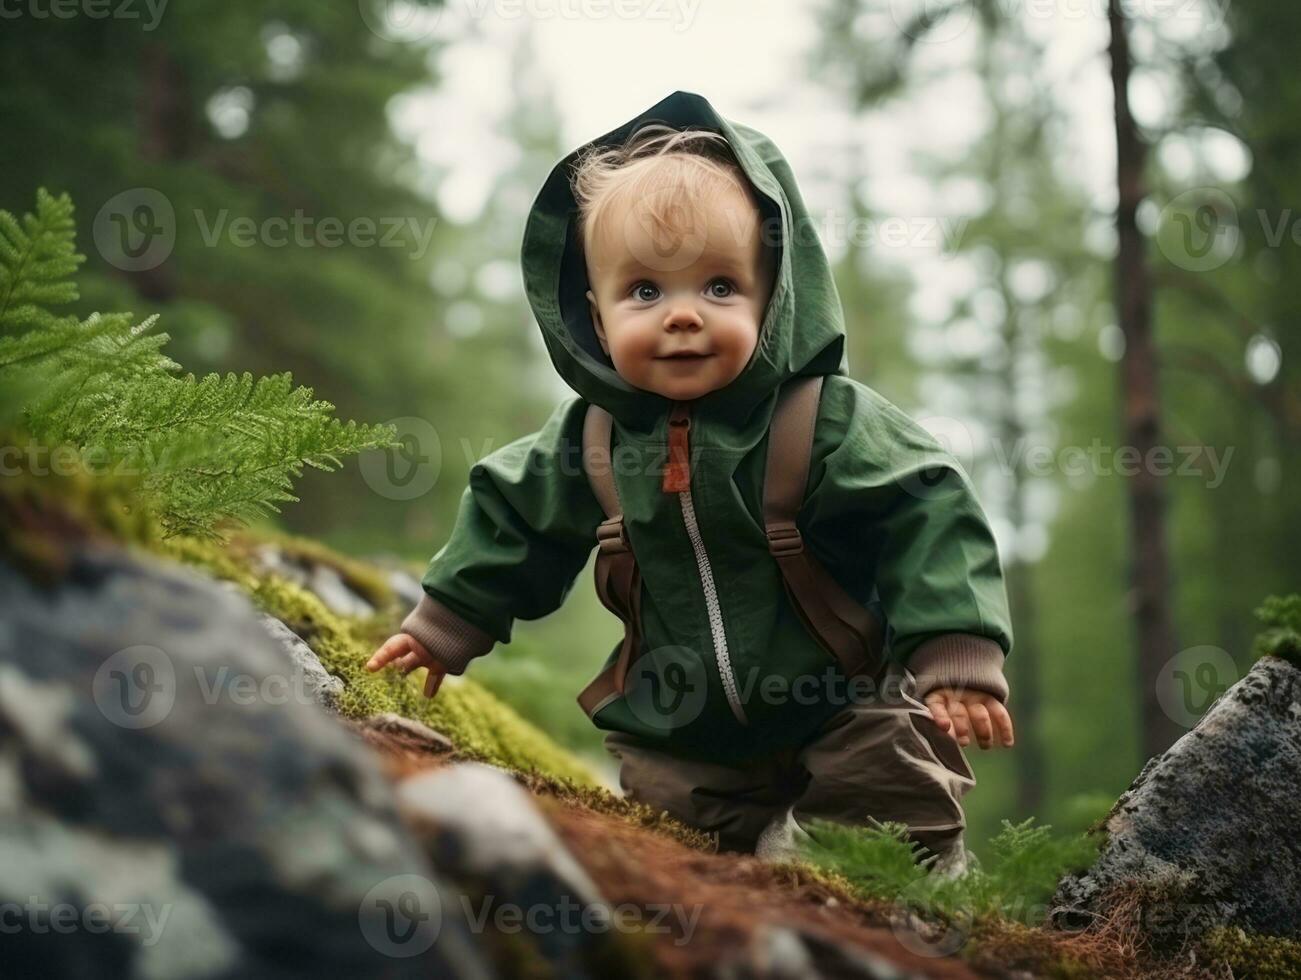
(412, 655)
(962, 711)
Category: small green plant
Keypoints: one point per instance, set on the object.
(1027, 863)
(880, 861)
(1281, 616)
(101, 393)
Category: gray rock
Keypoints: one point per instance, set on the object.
(406, 587)
(330, 588)
(273, 560)
(170, 808)
(318, 683)
(484, 831)
(782, 953)
(322, 580)
(415, 733)
(1211, 822)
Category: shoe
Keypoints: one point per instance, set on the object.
(781, 839)
(953, 863)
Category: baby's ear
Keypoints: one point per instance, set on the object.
(596, 322)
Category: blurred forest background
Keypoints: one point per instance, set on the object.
(965, 158)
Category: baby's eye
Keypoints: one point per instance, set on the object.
(645, 291)
(726, 285)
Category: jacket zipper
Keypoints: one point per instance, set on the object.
(677, 479)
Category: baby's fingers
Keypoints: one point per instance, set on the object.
(961, 721)
(1002, 721)
(981, 726)
(411, 661)
(392, 648)
(938, 711)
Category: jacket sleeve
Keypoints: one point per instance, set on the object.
(525, 527)
(894, 515)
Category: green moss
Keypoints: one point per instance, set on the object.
(48, 506)
(601, 800)
(482, 727)
(367, 581)
(1248, 955)
(1281, 617)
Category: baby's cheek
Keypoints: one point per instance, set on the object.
(630, 353)
(639, 345)
(739, 337)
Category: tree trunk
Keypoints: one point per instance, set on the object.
(1140, 401)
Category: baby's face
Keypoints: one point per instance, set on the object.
(679, 316)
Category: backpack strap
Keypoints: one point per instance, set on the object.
(842, 625)
(618, 580)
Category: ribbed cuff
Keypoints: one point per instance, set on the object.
(449, 638)
(960, 660)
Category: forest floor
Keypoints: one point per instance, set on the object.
(734, 899)
(741, 910)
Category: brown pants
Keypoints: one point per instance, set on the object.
(881, 759)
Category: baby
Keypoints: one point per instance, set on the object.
(680, 288)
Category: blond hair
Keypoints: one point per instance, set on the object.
(670, 172)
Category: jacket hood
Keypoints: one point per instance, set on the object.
(555, 280)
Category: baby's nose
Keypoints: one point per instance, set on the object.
(683, 318)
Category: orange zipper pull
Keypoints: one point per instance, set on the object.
(677, 468)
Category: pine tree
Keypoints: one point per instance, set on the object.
(206, 451)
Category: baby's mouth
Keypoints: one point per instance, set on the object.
(684, 356)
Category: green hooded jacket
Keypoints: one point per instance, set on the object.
(730, 669)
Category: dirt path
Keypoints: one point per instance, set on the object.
(730, 904)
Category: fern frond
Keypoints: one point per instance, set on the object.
(37, 260)
(206, 451)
